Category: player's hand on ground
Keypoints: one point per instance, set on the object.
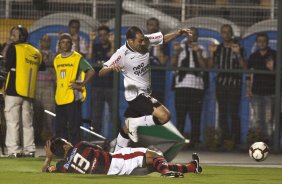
(47, 148)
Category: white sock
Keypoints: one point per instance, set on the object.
(143, 121)
(121, 142)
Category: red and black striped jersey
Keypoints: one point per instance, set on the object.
(85, 158)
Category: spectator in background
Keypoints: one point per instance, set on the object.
(261, 88)
(70, 68)
(79, 43)
(189, 86)
(23, 62)
(102, 88)
(157, 57)
(45, 90)
(228, 56)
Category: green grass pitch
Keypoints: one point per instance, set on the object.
(28, 171)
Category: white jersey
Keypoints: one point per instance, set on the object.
(136, 67)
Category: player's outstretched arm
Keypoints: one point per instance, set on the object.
(170, 36)
(105, 71)
(108, 69)
(113, 64)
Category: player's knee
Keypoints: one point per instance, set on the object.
(165, 117)
(150, 155)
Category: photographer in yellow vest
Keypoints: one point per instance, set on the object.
(72, 73)
(22, 63)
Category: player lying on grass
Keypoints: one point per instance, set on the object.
(86, 158)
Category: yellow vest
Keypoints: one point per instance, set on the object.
(28, 60)
(67, 72)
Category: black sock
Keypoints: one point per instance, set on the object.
(160, 164)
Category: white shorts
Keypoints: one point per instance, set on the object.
(125, 160)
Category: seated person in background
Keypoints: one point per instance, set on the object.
(86, 158)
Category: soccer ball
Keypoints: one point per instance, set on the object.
(258, 151)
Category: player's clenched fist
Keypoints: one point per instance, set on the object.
(185, 32)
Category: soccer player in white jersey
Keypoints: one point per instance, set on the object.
(132, 60)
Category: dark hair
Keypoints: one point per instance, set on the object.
(65, 36)
(229, 26)
(74, 21)
(153, 19)
(132, 31)
(104, 27)
(56, 146)
(23, 33)
(262, 34)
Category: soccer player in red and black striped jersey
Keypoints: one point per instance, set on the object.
(86, 158)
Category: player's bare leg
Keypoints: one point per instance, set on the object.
(160, 116)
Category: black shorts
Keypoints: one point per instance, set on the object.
(142, 105)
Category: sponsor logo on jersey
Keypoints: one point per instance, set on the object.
(117, 59)
(63, 74)
(32, 61)
(141, 69)
(65, 65)
(155, 37)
